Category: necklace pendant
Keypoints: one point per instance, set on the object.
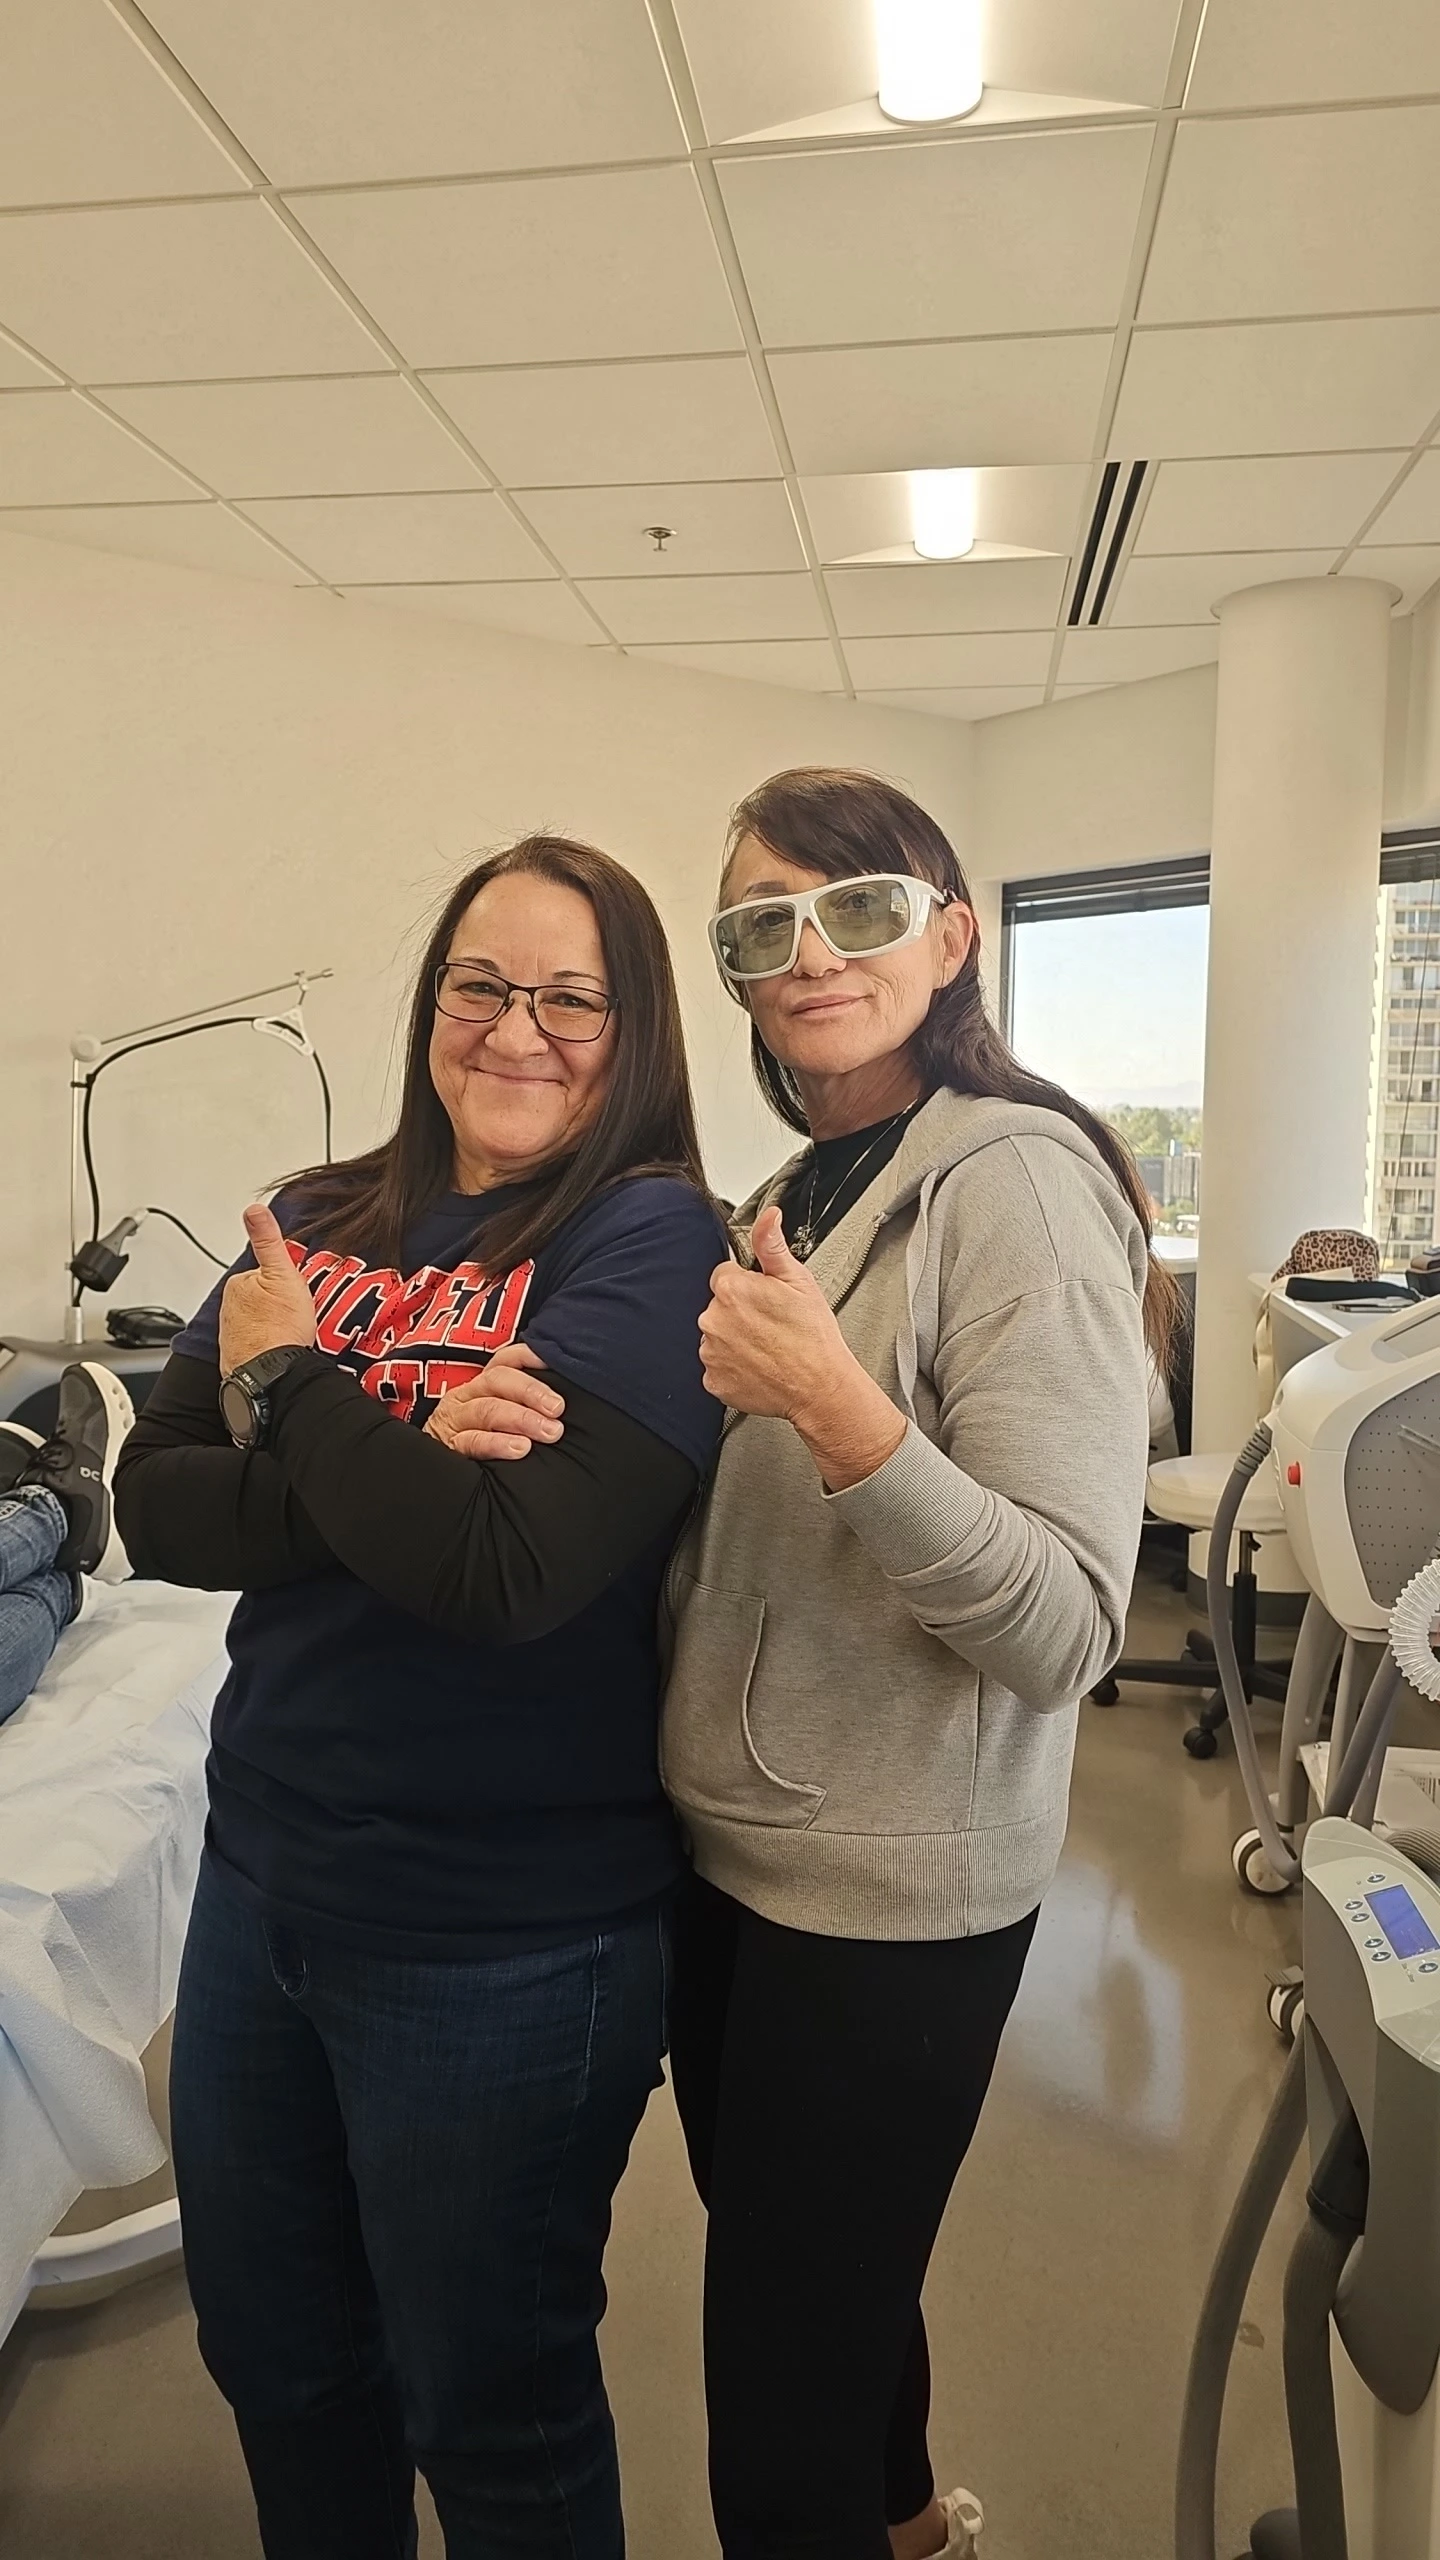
(802, 1243)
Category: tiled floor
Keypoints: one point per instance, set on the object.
(1136, 2071)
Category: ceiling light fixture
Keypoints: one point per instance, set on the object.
(929, 59)
(942, 513)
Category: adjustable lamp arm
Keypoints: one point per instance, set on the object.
(96, 1262)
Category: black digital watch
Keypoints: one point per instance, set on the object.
(245, 1397)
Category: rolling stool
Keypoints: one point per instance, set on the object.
(1187, 1491)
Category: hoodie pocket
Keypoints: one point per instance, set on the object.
(708, 1757)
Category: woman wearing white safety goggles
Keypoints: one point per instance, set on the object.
(913, 1560)
(855, 919)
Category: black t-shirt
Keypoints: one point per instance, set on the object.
(385, 1764)
(835, 1175)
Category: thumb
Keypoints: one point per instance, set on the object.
(272, 1254)
(772, 1253)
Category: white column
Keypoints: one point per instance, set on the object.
(1295, 853)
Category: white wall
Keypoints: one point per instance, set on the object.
(1120, 776)
(1127, 775)
(206, 782)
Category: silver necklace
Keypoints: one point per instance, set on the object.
(804, 1240)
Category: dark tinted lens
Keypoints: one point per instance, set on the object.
(864, 915)
(754, 939)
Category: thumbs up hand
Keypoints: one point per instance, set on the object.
(769, 1343)
(768, 1340)
(269, 1306)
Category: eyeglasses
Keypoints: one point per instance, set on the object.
(878, 911)
(466, 993)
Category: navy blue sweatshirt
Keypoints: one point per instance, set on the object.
(438, 1734)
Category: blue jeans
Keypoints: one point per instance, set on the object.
(395, 2183)
(36, 1602)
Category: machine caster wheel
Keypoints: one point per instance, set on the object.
(1285, 2008)
(1253, 1871)
(1105, 1693)
(1201, 1743)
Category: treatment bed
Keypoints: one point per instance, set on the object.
(102, 1812)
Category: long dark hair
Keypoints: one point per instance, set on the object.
(646, 1120)
(840, 824)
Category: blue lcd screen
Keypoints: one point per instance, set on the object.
(1403, 1922)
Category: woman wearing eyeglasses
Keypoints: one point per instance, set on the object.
(914, 1560)
(440, 1428)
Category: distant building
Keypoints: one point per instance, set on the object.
(1173, 1181)
(1405, 1083)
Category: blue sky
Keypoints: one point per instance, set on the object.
(1114, 1006)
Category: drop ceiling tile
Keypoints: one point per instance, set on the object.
(856, 511)
(962, 701)
(923, 408)
(1413, 567)
(1298, 386)
(1292, 502)
(1171, 591)
(548, 426)
(22, 372)
(1032, 508)
(1069, 692)
(719, 526)
(301, 439)
(937, 239)
(808, 666)
(546, 611)
(358, 89)
(85, 117)
(196, 536)
(1413, 514)
(652, 609)
(173, 293)
(968, 658)
(57, 451)
(531, 270)
(1310, 52)
(1294, 215)
(353, 540)
(1120, 51)
(1128, 657)
(980, 595)
(755, 65)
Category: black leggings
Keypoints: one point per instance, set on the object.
(829, 2089)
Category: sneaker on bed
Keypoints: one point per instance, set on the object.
(77, 1464)
(17, 1450)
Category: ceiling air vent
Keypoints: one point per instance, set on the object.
(1105, 542)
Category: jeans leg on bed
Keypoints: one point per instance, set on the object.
(288, 2322)
(33, 1617)
(33, 1529)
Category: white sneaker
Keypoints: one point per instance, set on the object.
(965, 2517)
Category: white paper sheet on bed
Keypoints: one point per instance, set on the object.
(102, 1812)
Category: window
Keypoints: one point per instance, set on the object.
(1104, 988)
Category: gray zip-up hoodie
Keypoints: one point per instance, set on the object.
(872, 1698)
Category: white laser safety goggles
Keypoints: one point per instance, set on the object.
(877, 911)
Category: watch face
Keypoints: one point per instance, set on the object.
(237, 1412)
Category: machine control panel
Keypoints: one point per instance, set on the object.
(1390, 1913)
(1390, 1926)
